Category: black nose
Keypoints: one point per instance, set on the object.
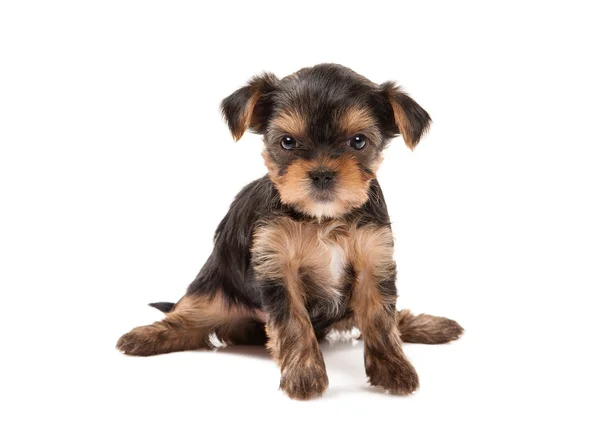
(322, 178)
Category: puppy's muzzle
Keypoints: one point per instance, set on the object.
(322, 179)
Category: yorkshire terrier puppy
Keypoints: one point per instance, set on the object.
(308, 248)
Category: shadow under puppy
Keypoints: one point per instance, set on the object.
(308, 248)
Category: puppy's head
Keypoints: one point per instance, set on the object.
(324, 130)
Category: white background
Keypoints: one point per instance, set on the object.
(116, 167)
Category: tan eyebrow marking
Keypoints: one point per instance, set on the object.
(290, 121)
(355, 119)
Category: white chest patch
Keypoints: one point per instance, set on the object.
(321, 210)
(337, 263)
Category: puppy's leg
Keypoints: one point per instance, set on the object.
(277, 255)
(188, 326)
(292, 342)
(374, 305)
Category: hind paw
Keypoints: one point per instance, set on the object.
(140, 341)
(426, 328)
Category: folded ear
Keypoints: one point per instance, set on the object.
(250, 106)
(405, 116)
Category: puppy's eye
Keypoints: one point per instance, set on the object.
(358, 142)
(288, 143)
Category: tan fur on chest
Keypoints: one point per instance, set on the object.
(288, 250)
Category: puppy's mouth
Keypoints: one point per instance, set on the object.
(323, 196)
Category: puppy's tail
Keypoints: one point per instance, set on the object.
(163, 306)
(428, 329)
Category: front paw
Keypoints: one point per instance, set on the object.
(394, 373)
(303, 382)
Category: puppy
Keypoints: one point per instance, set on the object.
(308, 248)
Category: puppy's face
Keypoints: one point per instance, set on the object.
(324, 130)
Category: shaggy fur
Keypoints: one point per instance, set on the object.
(307, 248)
